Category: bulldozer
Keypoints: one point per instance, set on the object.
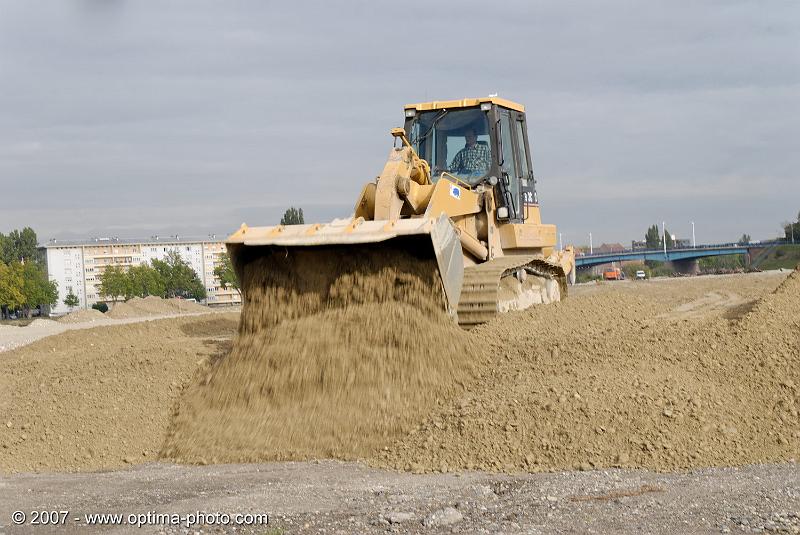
(459, 184)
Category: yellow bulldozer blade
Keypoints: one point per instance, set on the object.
(421, 236)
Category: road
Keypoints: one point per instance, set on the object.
(343, 498)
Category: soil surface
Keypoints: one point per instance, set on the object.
(21, 334)
(82, 316)
(676, 375)
(337, 498)
(153, 306)
(101, 397)
(667, 374)
(664, 374)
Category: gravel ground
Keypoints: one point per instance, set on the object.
(13, 336)
(59, 399)
(348, 498)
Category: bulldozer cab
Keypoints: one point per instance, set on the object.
(477, 141)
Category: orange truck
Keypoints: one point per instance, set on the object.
(613, 274)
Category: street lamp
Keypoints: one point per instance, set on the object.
(591, 249)
(664, 232)
(694, 243)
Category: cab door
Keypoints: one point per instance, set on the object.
(509, 165)
(527, 184)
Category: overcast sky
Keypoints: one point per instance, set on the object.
(135, 118)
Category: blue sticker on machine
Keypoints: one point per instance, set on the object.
(455, 192)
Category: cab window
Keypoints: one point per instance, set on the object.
(508, 165)
(455, 142)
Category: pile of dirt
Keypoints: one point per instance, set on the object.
(122, 310)
(183, 306)
(592, 383)
(339, 352)
(359, 361)
(151, 305)
(82, 316)
(101, 398)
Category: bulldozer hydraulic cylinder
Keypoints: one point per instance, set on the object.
(475, 248)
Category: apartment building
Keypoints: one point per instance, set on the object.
(78, 265)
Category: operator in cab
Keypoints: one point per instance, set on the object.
(474, 159)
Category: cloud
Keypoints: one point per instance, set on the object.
(123, 114)
(21, 149)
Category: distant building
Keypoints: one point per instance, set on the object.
(78, 265)
(610, 248)
(638, 245)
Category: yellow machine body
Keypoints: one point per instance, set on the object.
(494, 253)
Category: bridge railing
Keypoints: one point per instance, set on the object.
(706, 247)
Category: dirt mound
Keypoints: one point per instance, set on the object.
(97, 398)
(183, 306)
(151, 305)
(82, 316)
(603, 381)
(123, 310)
(338, 353)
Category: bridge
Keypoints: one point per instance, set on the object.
(683, 256)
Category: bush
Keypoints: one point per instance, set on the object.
(102, 307)
(715, 263)
(661, 269)
(587, 276)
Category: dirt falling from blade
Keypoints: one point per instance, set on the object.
(340, 352)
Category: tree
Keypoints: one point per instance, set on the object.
(144, 280)
(652, 238)
(37, 290)
(71, 300)
(180, 280)
(791, 231)
(292, 216)
(744, 240)
(19, 246)
(226, 274)
(11, 296)
(670, 241)
(114, 283)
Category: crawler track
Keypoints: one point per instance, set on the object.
(481, 292)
